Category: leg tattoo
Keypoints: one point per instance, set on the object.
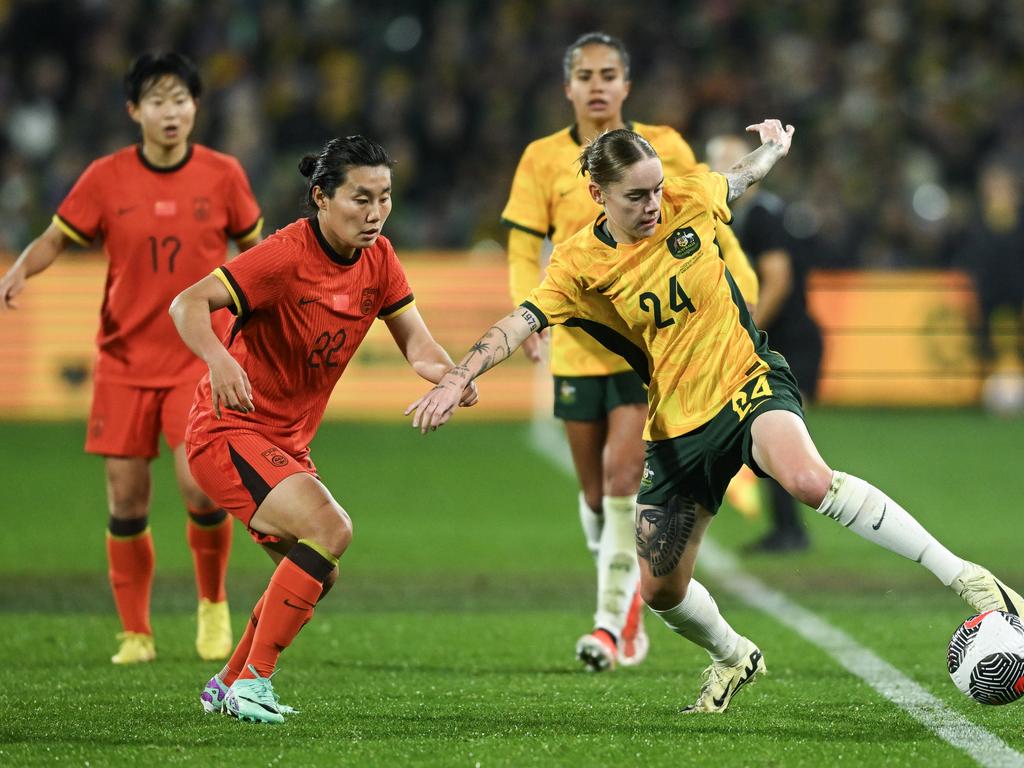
(663, 532)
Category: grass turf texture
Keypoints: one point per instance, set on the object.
(448, 640)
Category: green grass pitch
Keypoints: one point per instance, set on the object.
(449, 638)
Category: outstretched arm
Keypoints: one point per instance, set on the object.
(190, 312)
(37, 256)
(501, 340)
(425, 355)
(749, 170)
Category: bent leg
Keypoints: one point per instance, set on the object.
(277, 551)
(667, 541)
(782, 447)
(298, 509)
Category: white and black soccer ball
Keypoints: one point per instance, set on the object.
(986, 657)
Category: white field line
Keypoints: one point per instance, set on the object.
(984, 747)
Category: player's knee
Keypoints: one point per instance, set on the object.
(334, 528)
(196, 500)
(808, 484)
(662, 594)
(622, 479)
(128, 504)
(593, 499)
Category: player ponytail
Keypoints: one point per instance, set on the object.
(607, 157)
(329, 168)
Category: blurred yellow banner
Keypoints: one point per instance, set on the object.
(890, 338)
(896, 338)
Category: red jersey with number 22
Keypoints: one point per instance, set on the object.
(302, 312)
(162, 229)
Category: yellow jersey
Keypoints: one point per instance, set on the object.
(667, 304)
(550, 199)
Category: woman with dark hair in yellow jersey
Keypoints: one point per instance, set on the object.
(601, 401)
(648, 279)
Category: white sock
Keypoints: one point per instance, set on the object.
(698, 620)
(617, 569)
(872, 515)
(591, 522)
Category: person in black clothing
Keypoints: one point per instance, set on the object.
(781, 264)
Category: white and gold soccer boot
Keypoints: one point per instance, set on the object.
(213, 630)
(984, 592)
(721, 681)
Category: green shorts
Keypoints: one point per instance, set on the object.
(590, 398)
(701, 463)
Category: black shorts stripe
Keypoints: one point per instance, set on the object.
(311, 561)
(512, 225)
(238, 292)
(392, 308)
(254, 483)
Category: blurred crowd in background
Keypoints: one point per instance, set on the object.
(910, 113)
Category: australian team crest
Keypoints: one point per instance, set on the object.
(683, 242)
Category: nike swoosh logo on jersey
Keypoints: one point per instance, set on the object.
(123, 211)
(293, 605)
(878, 525)
(303, 302)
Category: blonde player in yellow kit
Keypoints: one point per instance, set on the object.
(599, 398)
(646, 279)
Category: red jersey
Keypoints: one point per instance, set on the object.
(302, 312)
(163, 229)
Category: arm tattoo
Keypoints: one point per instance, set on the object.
(479, 347)
(662, 533)
(752, 168)
(531, 319)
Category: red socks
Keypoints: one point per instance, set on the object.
(209, 538)
(131, 561)
(284, 608)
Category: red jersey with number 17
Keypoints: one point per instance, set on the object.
(163, 229)
(302, 310)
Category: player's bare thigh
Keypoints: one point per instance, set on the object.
(667, 541)
(301, 507)
(624, 449)
(782, 447)
(128, 486)
(586, 443)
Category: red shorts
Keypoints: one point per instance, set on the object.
(126, 421)
(237, 469)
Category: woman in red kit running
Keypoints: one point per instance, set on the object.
(304, 299)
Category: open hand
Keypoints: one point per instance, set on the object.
(436, 407)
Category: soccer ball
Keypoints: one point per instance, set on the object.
(986, 657)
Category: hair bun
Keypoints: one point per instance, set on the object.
(307, 165)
